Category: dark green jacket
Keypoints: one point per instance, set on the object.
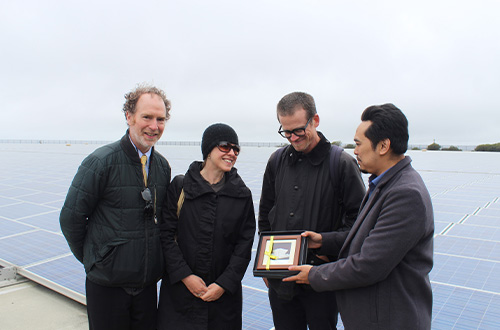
(103, 216)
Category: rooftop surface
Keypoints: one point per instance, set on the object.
(464, 186)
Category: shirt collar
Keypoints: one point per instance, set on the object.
(373, 180)
(317, 154)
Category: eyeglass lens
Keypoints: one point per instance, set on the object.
(298, 132)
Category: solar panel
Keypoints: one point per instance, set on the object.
(6, 201)
(23, 209)
(476, 196)
(47, 221)
(63, 270)
(465, 280)
(461, 308)
(495, 206)
(470, 273)
(448, 216)
(463, 209)
(456, 202)
(490, 212)
(256, 308)
(483, 221)
(43, 198)
(16, 192)
(31, 247)
(474, 231)
(467, 247)
(9, 228)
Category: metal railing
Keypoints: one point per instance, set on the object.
(197, 143)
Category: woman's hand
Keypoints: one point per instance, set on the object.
(195, 285)
(213, 293)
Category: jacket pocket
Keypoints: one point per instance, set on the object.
(121, 262)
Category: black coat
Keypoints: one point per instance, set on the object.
(212, 239)
(300, 196)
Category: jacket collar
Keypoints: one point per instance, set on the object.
(316, 156)
(195, 185)
(129, 149)
(390, 173)
(368, 200)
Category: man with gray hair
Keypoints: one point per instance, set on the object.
(110, 219)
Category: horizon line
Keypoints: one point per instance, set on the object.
(194, 143)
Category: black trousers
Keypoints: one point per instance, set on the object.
(318, 310)
(111, 308)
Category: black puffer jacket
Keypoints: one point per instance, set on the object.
(103, 216)
(212, 239)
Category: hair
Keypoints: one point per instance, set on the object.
(388, 122)
(291, 103)
(133, 96)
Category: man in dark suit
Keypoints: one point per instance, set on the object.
(381, 278)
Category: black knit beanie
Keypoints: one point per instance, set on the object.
(214, 134)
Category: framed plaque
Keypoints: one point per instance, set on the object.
(276, 251)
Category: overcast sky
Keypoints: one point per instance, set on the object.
(65, 65)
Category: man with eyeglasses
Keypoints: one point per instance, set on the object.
(298, 194)
(110, 217)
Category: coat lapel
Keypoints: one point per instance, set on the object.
(366, 205)
(368, 201)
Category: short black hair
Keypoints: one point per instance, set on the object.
(388, 122)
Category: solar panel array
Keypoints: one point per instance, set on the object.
(464, 186)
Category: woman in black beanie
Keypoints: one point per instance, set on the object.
(207, 233)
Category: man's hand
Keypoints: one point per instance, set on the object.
(266, 282)
(213, 293)
(300, 278)
(314, 241)
(195, 285)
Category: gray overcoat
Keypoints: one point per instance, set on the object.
(382, 275)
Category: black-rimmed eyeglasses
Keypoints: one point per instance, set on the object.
(150, 208)
(298, 132)
(225, 147)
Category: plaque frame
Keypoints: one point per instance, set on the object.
(288, 248)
